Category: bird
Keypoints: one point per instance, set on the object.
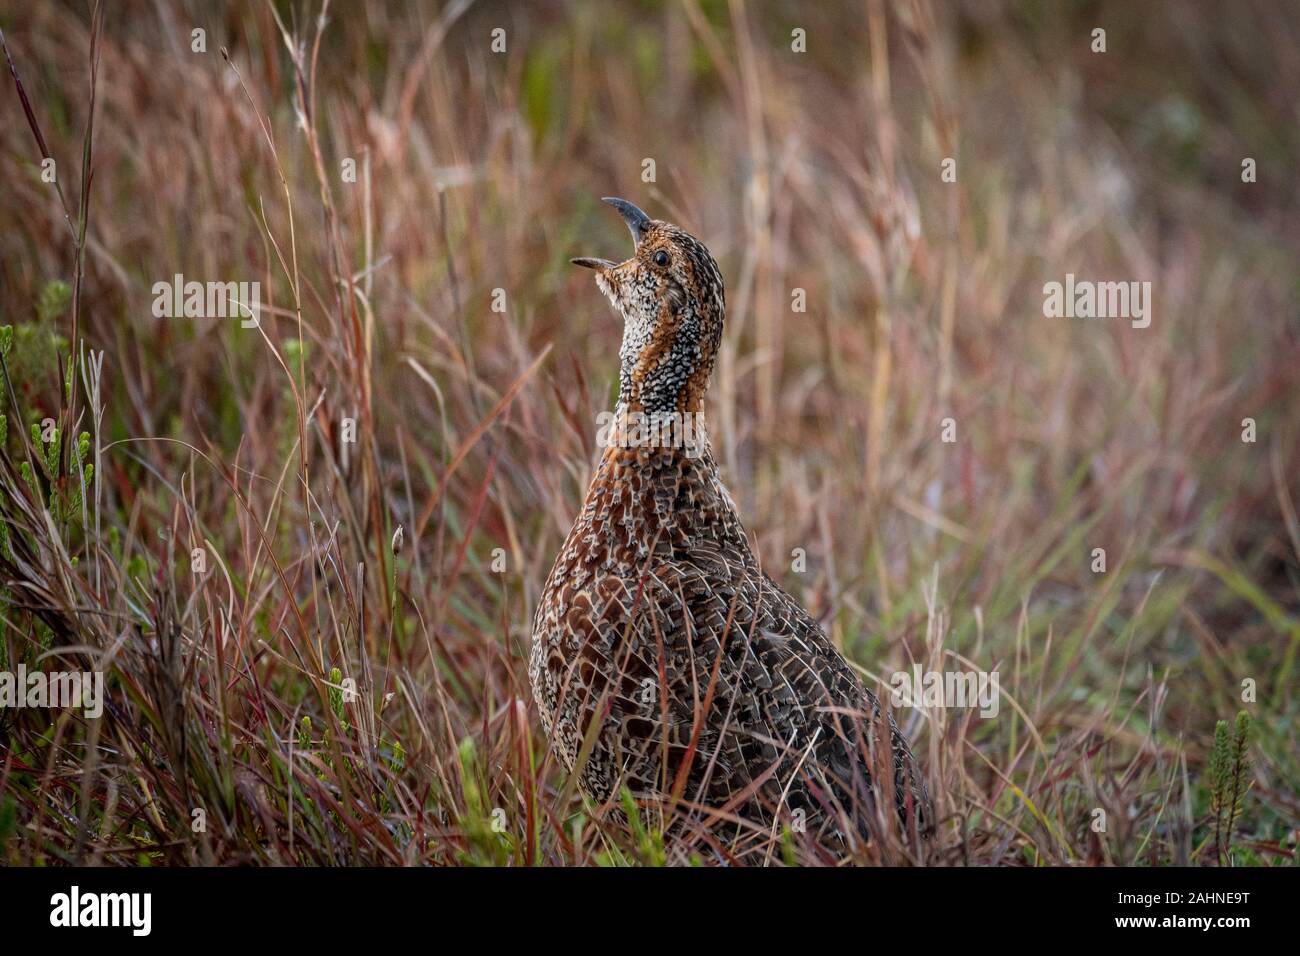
(665, 663)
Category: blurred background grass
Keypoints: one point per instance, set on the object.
(480, 171)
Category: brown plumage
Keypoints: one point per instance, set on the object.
(664, 660)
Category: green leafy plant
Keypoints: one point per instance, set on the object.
(65, 486)
(1229, 767)
(54, 301)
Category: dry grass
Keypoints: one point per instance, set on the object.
(475, 429)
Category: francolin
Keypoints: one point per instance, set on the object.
(664, 659)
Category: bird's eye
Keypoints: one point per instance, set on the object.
(661, 258)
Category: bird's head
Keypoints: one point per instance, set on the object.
(671, 299)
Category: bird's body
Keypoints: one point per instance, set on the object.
(664, 660)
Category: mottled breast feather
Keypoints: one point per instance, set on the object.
(699, 677)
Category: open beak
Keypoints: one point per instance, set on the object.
(638, 223)
(591, 262)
